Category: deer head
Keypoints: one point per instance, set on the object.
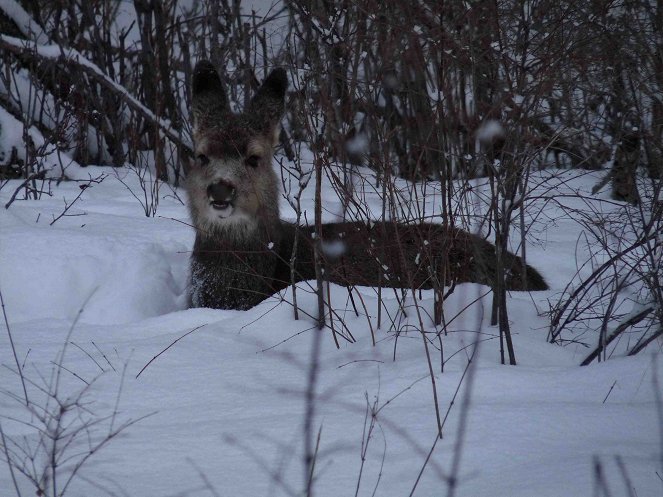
(232, 186)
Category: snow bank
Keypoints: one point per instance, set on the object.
(109, 265)
(227, 389)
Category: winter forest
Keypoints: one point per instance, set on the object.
(532, 130)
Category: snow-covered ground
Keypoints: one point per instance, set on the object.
(223, 410)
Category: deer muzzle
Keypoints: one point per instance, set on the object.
(221, 196)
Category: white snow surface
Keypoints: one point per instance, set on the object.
(225, 404)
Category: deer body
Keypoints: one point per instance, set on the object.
(242, 250)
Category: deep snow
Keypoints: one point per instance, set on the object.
(226, 403)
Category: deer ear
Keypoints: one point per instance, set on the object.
(209, 97)
(266, 107)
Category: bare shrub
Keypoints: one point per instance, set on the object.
(65, 430)
(617, 291)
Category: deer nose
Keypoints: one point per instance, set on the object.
(221, 194)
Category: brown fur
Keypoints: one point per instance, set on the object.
(242, 248)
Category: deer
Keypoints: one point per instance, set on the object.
(243, 251)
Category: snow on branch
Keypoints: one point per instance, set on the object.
(75, 58)
(25, 23)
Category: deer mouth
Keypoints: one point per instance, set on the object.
(220, 205)
(224, 208)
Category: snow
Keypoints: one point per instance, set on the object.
(334, 248)
(489, 131)
(11, 135)
(226, 403)
(358, 144)
(49, 158)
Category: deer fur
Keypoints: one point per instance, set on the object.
(242, 250)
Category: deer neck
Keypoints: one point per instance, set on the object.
(262, 233)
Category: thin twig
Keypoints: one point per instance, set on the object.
(19, 370)
(609, 391)
(9, 461)
(164, 350)
(68, 206)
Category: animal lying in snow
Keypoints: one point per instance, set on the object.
(243, 249)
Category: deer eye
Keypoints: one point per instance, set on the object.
(253, 160)
(202, 160)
